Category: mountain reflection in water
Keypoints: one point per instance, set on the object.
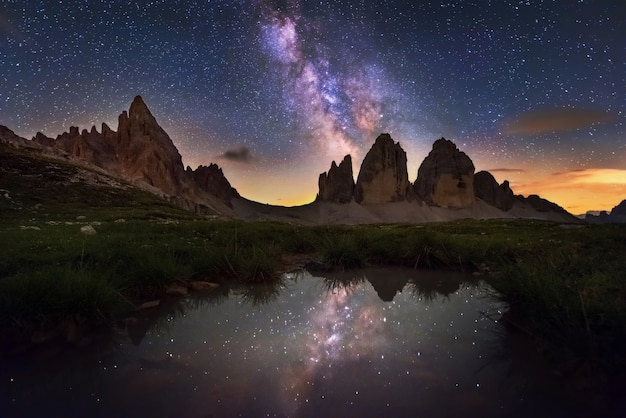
(373, 342)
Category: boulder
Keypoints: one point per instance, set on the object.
(383, 177)
(149, 305)
(88, 230)
(176, 290)
(337, 185)
(489, 191)
(202, 286)
(446, 177)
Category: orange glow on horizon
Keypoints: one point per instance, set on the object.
(578, 191)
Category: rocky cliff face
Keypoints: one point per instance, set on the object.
(383, 177)
(446, 177)
(142, 152)
(211, 179)
(146, 152)
(489, 191)
(337, 185)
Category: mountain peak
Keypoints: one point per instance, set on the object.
(383, 176)
(139, 110)
(446, 177)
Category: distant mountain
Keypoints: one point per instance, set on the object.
(446, 188)
(617, 215)
(445, 179)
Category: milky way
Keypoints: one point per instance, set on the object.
(534, 91)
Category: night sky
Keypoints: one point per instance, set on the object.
(274, 91)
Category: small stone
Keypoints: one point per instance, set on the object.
(200, 286)
(88, 230)
(119, 221)
(176, 290)
(34, 228)
(81, 218)
(149, 305)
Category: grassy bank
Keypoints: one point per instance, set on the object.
(565, 285)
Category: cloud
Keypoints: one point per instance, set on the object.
(537, 122)
(240, 155)
(506, 170)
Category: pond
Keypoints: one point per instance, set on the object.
(367, 343)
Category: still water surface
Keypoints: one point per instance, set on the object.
(368, 343)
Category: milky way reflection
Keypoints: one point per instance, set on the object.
(319, 347)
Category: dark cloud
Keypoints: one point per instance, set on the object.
(240, 155)
(573, 171)
(555, 120)
(507, 170)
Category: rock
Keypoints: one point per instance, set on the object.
(383, 177)
(211, 179)
(489, 191)
(337, 185)
(446, 177)
(176, 290)
(88, 230)
(119, 221)
(81, 218)
(202, 286)
(149, 305)
(34, 228)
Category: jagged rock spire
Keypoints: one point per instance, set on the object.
(446, 177)
(383, 177)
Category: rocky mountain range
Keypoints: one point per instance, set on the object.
(445, 179)
(141, 152)
(447, 187)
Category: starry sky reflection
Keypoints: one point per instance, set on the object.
(533, 91)
(314, 350)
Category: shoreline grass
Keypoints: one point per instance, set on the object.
(564, 285)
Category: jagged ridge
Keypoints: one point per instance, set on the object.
(445, 179)
(142, 152)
